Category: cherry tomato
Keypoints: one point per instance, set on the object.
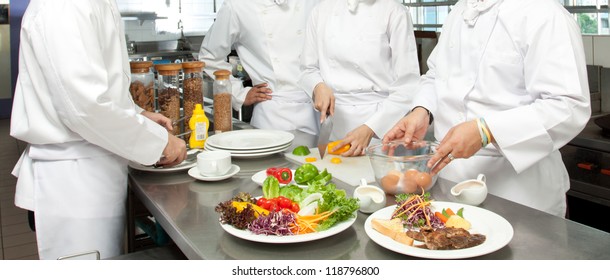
(266, 204)
(284, 202)
(260, 201)
(294, 207)
(274, 207)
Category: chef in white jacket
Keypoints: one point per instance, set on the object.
(268, 36)
(507, 87)
(360, 66)
(73, 107)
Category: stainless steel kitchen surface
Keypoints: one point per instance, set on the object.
(185, 209)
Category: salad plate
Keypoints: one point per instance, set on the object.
(497, 230)
(273, 239)
(259, 178)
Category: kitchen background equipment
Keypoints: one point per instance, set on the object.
(587, 159)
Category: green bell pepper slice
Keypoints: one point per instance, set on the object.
(305, 173)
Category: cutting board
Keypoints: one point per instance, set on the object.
(350, 171)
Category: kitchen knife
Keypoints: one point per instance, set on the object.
(325, 128)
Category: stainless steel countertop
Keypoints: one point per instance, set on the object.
(185, 209)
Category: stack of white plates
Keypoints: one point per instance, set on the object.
(250, 143)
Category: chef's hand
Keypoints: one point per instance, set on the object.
(411, 127)
(324, 100)
(174, 152)
(359, 139)
(160, 119)
(258, 93)
(462, 141)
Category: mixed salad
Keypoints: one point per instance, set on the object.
(290, 209)
(415, 212)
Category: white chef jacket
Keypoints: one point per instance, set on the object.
(268, 37)
(73, 107)
(522, 68)
(367, 57)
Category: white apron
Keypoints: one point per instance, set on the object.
(353, 109)
(286, 111)
(78, 192)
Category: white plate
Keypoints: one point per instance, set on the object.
(194, 172)
(249, 139)
(278, 148)
(259, 178)
(497, 230)
(186, 164)
(255, 155)
(248, 235)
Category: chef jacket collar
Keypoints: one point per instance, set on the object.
(279, 2)
(352, 5)
(474, 8)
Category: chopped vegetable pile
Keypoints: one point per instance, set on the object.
(290, 209)
(415, 211)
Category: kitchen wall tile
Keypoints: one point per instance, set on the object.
(16, 229)
(19, 239)
(587, 41)
(601, 45)
(21, 251)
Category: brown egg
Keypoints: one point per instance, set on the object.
(409, 181)
(423, 180)
(389, 183)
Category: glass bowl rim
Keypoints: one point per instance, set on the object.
(370, 149)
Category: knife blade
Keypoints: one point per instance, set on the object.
(325, 128)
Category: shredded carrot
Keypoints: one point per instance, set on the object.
(308, 224)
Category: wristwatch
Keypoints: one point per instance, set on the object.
(430, 116)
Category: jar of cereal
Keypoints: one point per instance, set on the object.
(223, 118)
(142, 87)
(168, 93)
(192, 87)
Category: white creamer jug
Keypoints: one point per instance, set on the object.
(371, 198)
(472, 192)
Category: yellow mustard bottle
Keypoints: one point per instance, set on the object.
(199, 125)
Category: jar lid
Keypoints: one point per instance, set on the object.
(192, 66)
(222, 74)
(169, 69)
(140, 66)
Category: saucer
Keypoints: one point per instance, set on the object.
(194, 172)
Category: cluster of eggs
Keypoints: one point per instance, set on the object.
(410, 181)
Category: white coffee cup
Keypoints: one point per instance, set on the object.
(213, 163)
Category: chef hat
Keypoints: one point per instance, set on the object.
(474, 8)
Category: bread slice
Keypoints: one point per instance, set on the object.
(392, 228)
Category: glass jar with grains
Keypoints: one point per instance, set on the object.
(168, 93)
(192, 87)
(142, 87)
(223, 118)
